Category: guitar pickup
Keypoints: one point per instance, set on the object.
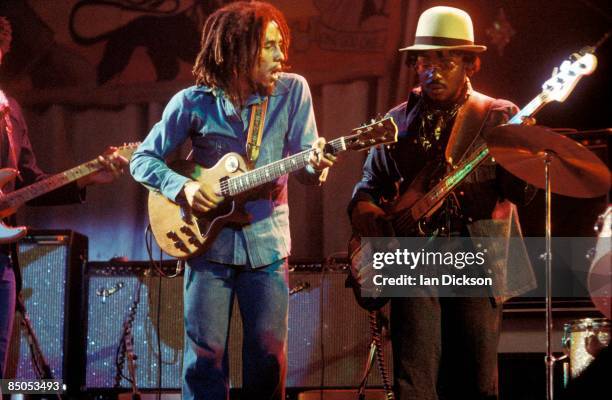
(193, 240)
(181, 246)
(187, 231)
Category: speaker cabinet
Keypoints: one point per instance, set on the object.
(118, 292)
(51, 263)
(329, 334)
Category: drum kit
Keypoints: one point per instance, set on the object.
(557, 164)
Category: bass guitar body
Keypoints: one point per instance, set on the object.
(183, 233)
(401, 224)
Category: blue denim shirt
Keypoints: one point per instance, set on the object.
(207, 117)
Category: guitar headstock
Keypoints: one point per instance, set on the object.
(381, 131)
(565, 79)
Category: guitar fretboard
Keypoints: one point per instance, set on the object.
(18, 197)
(446, 185)
(23, 195)
(530, 109)
(442, 189)
(272, 171)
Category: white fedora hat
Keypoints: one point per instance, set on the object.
(444, 28)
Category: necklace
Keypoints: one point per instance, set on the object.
(433, 123)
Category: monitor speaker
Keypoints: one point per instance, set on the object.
(51, 263)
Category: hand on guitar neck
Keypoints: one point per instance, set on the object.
(113, 165)
(319, 158)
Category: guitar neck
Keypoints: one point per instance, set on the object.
(21, 196)
(450, 182)
(249, 180)
(530, 109)
(444, 187)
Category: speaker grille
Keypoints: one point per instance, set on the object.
(51, 265)
(328, 333)
(112, 289)
(44, 276)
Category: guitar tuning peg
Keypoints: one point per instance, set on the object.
(555, 71)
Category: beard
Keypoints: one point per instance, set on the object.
(265, 90)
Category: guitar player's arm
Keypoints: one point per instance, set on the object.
(148, 165)
(377, 182)
(29, 172)
(302, 135)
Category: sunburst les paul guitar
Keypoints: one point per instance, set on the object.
(10, 202)
(182, 233)
(408, 212)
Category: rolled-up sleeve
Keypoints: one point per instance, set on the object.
(148, 165)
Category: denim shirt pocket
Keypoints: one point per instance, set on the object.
(208, 149)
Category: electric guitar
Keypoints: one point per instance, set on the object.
(183, 233)
(407, 212)
(10, 202)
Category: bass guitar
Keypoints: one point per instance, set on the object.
(10, 202)
(407, 212)
(182, 233)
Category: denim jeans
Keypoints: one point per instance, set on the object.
(263, 297)
(7, 308)
(445, 348)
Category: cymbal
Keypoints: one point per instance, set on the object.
(574, 170)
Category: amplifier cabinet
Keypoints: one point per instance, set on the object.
(113, 290)
(328, 341)
(51, 263)
(329, 335)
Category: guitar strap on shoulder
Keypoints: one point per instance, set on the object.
(469, 121)
(468, 124)
(256, 125)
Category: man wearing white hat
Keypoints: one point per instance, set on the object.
(443, 347)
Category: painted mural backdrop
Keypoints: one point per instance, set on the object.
(105, 42)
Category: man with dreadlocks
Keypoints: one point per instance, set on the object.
(16, 153)
(240, 67)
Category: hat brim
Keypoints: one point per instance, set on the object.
(425, 47)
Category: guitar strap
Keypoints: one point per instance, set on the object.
(468, 124)
(256, 125)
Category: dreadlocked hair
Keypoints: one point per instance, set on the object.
(231, 45)
(6, 35)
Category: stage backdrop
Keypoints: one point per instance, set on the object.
(96, 73)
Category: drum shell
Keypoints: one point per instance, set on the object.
(582, 341)
(600, 272)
